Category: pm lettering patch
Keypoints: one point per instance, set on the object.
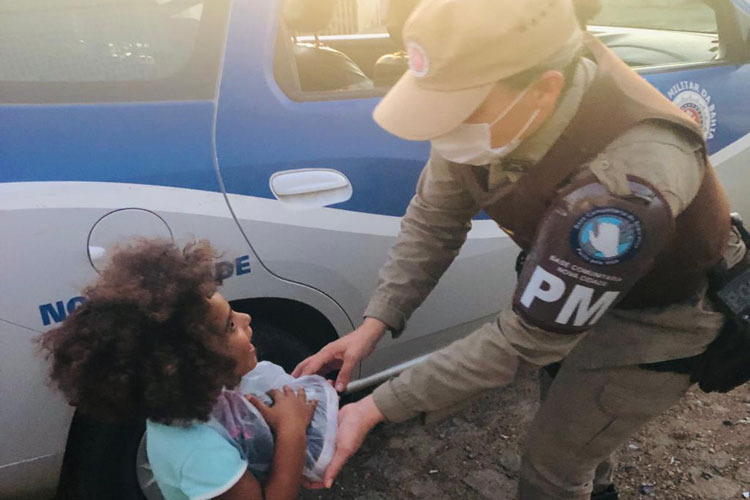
(590, 248)
(578, 308)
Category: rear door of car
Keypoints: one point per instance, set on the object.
(330, 226)
(330, 231)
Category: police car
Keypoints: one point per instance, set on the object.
(188, 119)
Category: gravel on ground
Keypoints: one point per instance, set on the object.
(697, 450)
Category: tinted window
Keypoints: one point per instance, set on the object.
(339, 48)
(659, 32)
(678, 15)
(358, 17)
(111, 50)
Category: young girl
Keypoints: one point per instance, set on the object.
(155, 340)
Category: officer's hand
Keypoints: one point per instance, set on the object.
(355, 422)
(344, 354)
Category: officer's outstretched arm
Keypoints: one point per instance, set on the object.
(432, 233)
(590, 248)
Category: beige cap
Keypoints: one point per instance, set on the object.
(458, 50)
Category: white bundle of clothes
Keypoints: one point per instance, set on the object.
(238, 421)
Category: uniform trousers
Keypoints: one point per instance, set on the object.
(585, 416)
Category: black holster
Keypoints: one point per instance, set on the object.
(725, 365)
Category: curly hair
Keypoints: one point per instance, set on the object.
(144, 345)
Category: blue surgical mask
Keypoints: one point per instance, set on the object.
(471, 143)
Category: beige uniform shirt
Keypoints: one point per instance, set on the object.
(435, 227)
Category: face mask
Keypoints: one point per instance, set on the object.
(471, 143)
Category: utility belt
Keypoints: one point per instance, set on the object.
(725, 365)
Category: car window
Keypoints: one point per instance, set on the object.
(358, 17)
(658, 32)
(59, 44)
(340, 48)
(677, 15)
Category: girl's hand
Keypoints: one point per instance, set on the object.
(288, 418)
(290, 413)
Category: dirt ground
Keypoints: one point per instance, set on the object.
(699, 449)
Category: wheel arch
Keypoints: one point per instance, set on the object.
(307, 324)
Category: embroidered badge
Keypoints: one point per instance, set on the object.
(695, 100)
(419, 63)
(606, 236)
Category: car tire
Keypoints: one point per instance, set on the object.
(99, 461)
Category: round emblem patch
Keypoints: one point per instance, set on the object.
(606, 236)
(695, 100)
(419, 63)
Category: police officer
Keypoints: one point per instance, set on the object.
(606, 187)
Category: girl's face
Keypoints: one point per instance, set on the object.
(236, 327)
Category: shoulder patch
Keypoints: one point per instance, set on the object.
(591, 247)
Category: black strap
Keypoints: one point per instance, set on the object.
(740, 226)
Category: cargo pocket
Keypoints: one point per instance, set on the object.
(636, 392)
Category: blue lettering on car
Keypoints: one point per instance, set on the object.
(242, 265)
(56, 312)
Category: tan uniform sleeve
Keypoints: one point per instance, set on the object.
(432, 233)
(671, 162)
(486, 359)
(489, 357)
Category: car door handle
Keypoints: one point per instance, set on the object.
(310, 187)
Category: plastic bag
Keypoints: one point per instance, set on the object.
(242, 425)
(321, 433)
